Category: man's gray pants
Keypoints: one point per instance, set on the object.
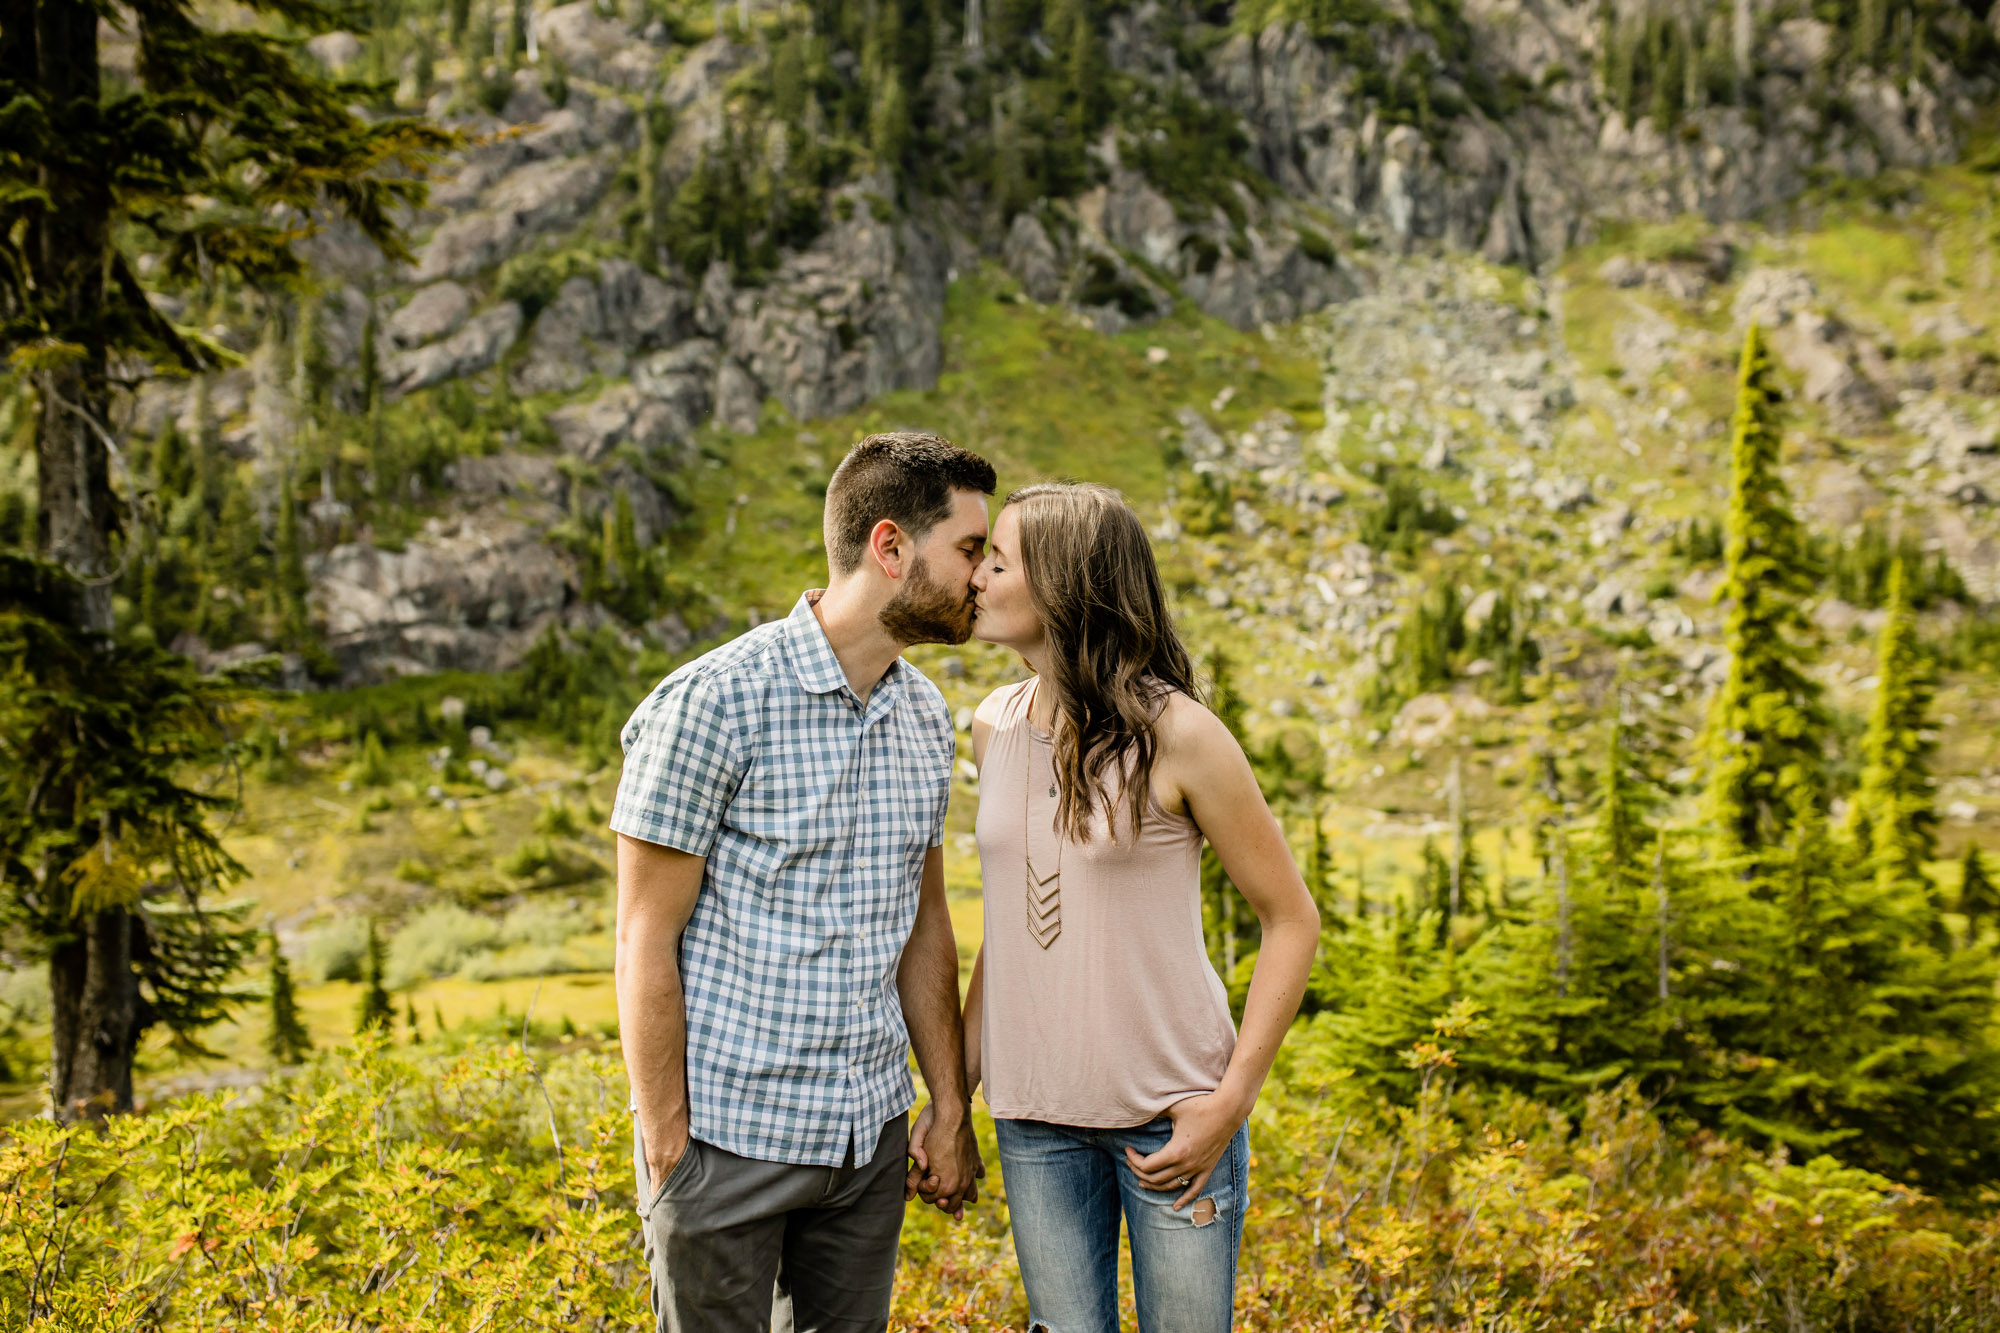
(736, 1245)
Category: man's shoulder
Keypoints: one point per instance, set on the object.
(748, 659)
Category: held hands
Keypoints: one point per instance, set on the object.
(1203, 1127)
(948, 1167)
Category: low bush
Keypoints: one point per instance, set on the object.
(386, 1188)
(333, 952)
(547, 923)
(437, 942)
(24, 995)
(537, 960)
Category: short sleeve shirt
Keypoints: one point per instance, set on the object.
(815, 811)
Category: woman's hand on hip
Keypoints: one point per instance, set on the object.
(1203, 1127)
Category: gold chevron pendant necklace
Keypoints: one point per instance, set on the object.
(1044, 890)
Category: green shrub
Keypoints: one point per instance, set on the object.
(537, 960)
(528, 860)
(436, 942)
(533, 279)
(557, 819)
(1406, 513)
(24, 994)
(545, 923)
(371, 764)
(334, 952)
(1318, 248)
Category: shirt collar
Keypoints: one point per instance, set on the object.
(812, 656)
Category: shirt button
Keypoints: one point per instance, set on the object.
(861, 863)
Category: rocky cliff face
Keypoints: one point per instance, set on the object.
(523, 272)
(1565, 162)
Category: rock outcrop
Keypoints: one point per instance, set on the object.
(471, 593)
(1564, 162)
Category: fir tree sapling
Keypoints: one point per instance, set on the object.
(1978, 896)
(287, 1041)
(375, 1013)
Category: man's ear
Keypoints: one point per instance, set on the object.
(888, 548)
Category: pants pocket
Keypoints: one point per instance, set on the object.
(648, 1200)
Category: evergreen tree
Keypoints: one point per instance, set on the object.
(293, 585)
(1623, 842)
(1319, 866)
(128, 734)
(1433, 888)
(1868, 1040)
(371, 765)
(1978, 898)
(889, 123)
(287, 1041)
(1764, 739)
(1891, 818)
(1229, 933)
(375, 1012)
(154, 158)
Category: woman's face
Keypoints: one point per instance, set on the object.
(1002, 613)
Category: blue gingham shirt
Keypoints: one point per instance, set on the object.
(815, 812)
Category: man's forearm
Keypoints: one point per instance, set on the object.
(652, 1022)
(928, 981)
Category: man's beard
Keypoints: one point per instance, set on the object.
(926, 611)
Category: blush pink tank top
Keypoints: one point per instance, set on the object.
(1121, 1014)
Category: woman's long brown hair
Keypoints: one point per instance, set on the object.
(1114, 656)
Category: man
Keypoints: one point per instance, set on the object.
(783, 938)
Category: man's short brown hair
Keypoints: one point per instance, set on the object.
(905, 476)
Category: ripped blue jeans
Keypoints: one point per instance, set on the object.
(1066, 1189)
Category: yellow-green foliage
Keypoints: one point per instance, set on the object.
(383, 1189)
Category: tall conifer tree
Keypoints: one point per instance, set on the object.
(1892, 817)
(1764, 740)
(211, 152)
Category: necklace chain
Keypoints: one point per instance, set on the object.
(1044, 893)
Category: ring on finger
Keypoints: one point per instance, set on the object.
(1183, 1181)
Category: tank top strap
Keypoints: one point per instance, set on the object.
(1015, 713)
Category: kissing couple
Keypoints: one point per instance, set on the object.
(784, 944)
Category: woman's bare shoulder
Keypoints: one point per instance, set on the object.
(993, 705)
(1187, 724)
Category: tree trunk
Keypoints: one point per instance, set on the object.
(66, 250)
(93, 988)
(95, 1018)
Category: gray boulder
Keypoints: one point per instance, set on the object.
(854, 316)
(473, 348)
(471, 593)
(620, 415)
(598, 48)
(1031, 257)
(435, 311)
(539, 197)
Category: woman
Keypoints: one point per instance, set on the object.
(1118, 1082)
